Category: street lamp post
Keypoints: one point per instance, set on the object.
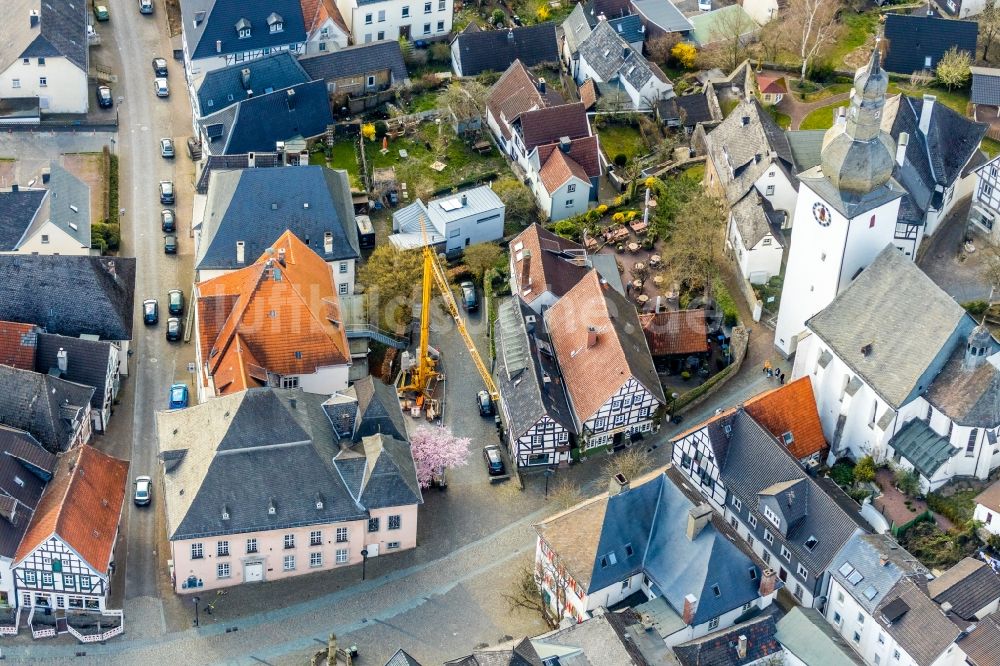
(548, 475)
(196, 600)
(364, 562)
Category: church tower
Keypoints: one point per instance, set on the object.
(846, 209)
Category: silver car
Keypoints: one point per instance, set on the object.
(166, 148)
(143, 490)
(161, 87)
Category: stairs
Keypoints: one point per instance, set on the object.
(377, 334)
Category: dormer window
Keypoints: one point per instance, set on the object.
(319, 502)
(274, 23)
(243, 28)
(772, 516)
(271, 508)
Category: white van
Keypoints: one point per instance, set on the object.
(145, 6)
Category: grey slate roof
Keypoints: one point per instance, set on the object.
(629, 27)
(859, 570)
(882, 296)
(805, 633)
(806, 146)
(611, 57)
(378, 410)
(720, 648)
(61, 31)
(576, 28)
(258, 123)
(752, 215)
(23, 458)
(358, 60)
(388, 474)
(664, 15)
(982, 644)
(923, 447)
(521, 368)
(923, 630)
(17, 211)
(219, 24)
(755, 461)
(495, 50)
(67, 192)
(241, 208)
(985, 86)
(220, 88)
(69, 295)
(229, 162)
(969, 586)
(402, 658)
(244, 452)
(87, 362)
(912, 38)
(745, 145)
(625, 320)
(42, 405)
(694, 109)
(612, 639)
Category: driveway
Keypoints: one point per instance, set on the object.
(943, 257)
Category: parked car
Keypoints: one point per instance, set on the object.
(145, 6)
(175, 302)
(174, 329)
(161, 87)
(101, 12)
(470, 301)
(485, 403)
(105, 99)
(494, 461)
(167, 222)
(160, 67)
(166, 192)
(178, 396)
(166, 148)
(143, 490)
(170, 244)
(150, 312)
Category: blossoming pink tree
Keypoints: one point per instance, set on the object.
(435, 450)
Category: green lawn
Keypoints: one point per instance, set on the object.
(783, 119)
(827, 91)
(821, 118)
(341, 156)
(857, 29)
(991, 147)
(957, 100)
(621, 140)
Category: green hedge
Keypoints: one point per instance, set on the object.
(724, 301)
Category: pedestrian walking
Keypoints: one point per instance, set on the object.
(781, 378)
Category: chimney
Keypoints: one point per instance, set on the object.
(292, 403)
(541, 84)
(245, 78)
(901, 144)
(690, 608)
(591, 336)
(620, 28)
(768, 582)
(526, 269)
(327, 242)
(281, 260)
(925, 113)
(290, 99)
(62, 360)
(883, 560)
(241, 255)
(618, 484)
(565, 144)
(33, 18)
(251, 160)
(602, 17)
(741, 647)
(111, 268)
(218, 46)
(249, 93)
(698, 517)
(510, 35)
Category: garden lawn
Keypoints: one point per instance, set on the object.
(857, 29)
(621, 140)
(827, 91)
(991, 147)
(957, 100)
(821, 118)
(341, 156)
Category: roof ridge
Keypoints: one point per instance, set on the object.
(228, 329)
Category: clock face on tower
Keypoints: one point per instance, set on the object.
(822, 214)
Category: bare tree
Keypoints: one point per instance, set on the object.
(564, 494)
(696, 240)
(732, 33)
(629, 463)
(465, 101)
(989, 27)
(921, 78)
(811, 25)
(658, 49)
(772, 38)
(524, 591)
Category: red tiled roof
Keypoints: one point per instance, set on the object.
(316, 12)
(546, 270)
(558, 169)
(790, 408)
(271, 317)
(584, 152)
(82, 505)
(512, 95)
(550, 124)
(588, 93)
(17, 345)
(675, 332)
(774, 85)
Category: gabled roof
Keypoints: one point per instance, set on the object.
(870, 565)
(87, 362)
(790, 410)
(673, 332)
(255, 206)
(513, 94)
(47, 407)
(576, 28)
(584, 153)
(651, 519)
(18, 344)
(882, 296)
(220, 88)
(388, 474)
(25, 467)
(316, 12)
(554, 263)
(982, 644)
(378, 410)
(69, 204)
(402, 658)
(82, 506)
(69, 295)
(990, 498)
(278, 315)
(258, 123)
(806, 634)
(985, 86)
(664, 15)
(550, 124)
(754, 216)
(228, 460)
(495, 50)
(912, 38)
(60, 30)
(17, 212)
(774, 85)
(922, 629)
(593, 374)
(969, 587)
(611, 57)
(721, 648)
(558, 169)
(207, 22)
(358, 60)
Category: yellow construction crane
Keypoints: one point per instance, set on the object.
(420, 377)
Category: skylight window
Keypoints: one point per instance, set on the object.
(811, 543)
(846, 569)
(870, 592)
(787, 438)
(855, 577)
(716, 591)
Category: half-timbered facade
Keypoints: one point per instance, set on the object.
(765, 495)
(985, 207)
(630, 410)
(65, 559)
